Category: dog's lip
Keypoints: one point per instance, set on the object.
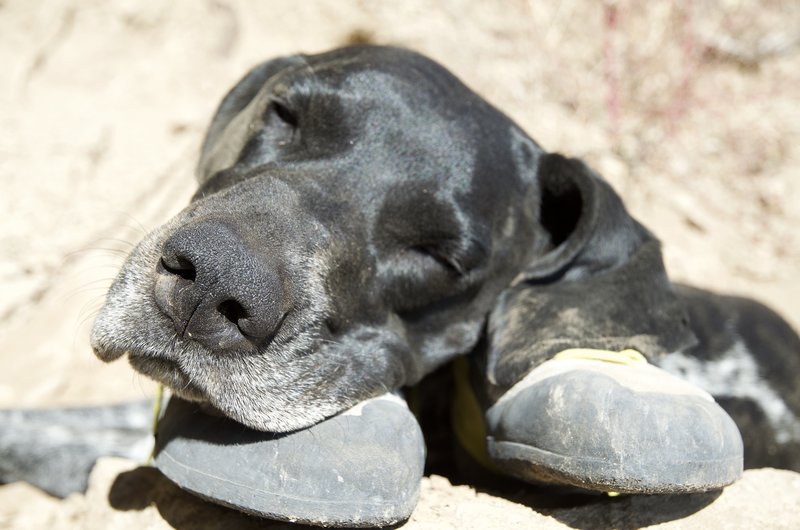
(109, 354)
(166, 372)
(144, 361)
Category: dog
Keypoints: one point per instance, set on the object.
(358, 215)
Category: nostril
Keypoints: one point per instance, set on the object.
(232, 310)
(218, 291)
(180, 266)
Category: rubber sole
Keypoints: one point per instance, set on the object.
(280, 506)
(538, 466)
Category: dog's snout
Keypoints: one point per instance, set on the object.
(217, 290)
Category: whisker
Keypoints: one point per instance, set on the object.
(137, 225)
(88, 312)
(119, 240)
(90, 286)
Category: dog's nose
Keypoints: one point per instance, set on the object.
(217, 290)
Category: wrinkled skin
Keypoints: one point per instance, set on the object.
(362, 207)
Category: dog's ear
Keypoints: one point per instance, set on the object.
(601, 284)
(589, 229)
(237, 99)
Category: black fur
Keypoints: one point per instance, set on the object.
(360, 213)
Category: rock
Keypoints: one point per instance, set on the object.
(122, 495)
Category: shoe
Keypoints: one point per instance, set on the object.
(360, 468)
(600, 417)
(611, 422)
(56, 449)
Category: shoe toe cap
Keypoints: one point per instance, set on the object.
(362, 467)
(642, 430)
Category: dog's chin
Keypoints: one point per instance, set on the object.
(277, 420)
(169, 374)
(251, 409)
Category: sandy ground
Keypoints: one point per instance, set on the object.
(124, 496)
(692, 113)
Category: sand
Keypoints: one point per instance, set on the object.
(691, 113)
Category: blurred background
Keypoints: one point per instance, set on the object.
(691, 109)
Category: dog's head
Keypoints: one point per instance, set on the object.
(358, 214)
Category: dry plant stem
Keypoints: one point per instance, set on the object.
(611, 53)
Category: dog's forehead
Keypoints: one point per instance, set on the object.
(379, 126)
(397, 61)
(370, 69)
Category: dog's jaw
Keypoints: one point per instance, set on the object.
(293, 382)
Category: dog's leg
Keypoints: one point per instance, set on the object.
(572, 395)
(748, 358)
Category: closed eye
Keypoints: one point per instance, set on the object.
(440, 257)
(284, 114)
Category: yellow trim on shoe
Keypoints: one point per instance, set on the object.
(466, 416)
(626, 357)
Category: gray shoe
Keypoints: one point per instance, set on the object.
(613, 425)
(359, 468)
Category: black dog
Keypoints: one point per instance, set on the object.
(359, 211)
(358, 215)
